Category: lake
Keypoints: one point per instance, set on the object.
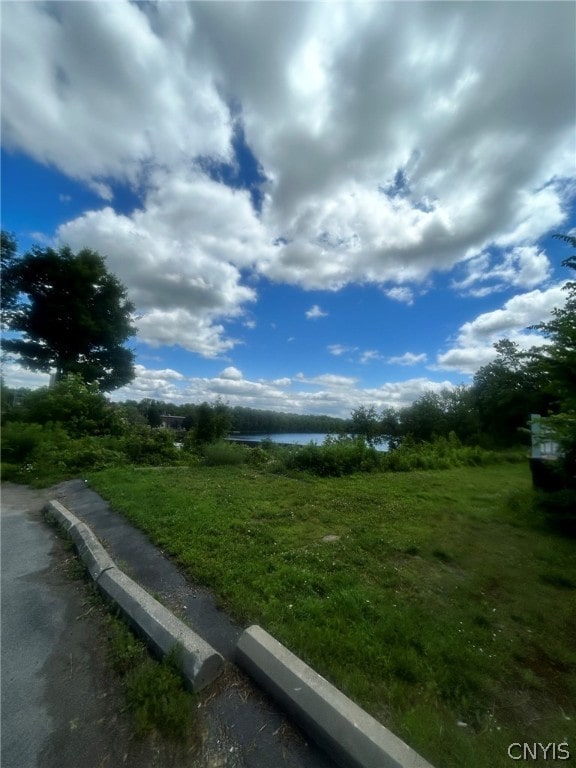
(291, 438)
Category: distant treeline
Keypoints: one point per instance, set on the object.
(239, 418)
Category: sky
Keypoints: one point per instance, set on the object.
(313, 205)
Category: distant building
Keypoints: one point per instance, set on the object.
(172, 422)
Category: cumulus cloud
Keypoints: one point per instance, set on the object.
(473, 346)
(395, 138)
(117, 86)
(340, 349)
(315, 312)
(368, 355)
(232, 373)
(181, 257)
(400, 293)
(408, 358)
(522, 267)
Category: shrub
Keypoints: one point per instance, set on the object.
(335, 457)
(224, 452)
(81, 408)
(147, 445)
(20, 440)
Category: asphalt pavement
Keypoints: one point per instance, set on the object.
(61, 705)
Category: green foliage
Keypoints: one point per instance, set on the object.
(154, 691)
(367, 425)
(69, 313)
(506, 392)
(212, 422)
(81, 408)
(8, 254)
(44, 454)
(145, 445)
(224, 452)
(336, 457)
(257, 421)
(442, 453)
(20, 440)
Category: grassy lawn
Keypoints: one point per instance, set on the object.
(444, 607)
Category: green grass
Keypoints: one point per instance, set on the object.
(446, 608)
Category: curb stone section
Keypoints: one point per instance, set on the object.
(92, 553)
(199, 662)
(351, 736)
(63, 517)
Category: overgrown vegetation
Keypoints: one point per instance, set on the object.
(155, 697)
(440, 601)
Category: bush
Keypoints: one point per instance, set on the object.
(146, 445)
(20, 440)
(224, 452)
(335, 457)
(81, 408)
(442, 453)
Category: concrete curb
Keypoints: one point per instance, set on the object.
(347, 732)
(199, 662)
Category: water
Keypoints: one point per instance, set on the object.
(291, 438)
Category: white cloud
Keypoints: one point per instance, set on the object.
(408, 358)
(396, 138)
(473, 346)
(522, 267)
(368, 355)
(325, 394)
(315, 312)
(232, 373)
(16, 376)
(400, 293)
(102, 190)
(116, 87)
(180, 256)
(340, 349)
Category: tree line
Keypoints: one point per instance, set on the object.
(66, 312)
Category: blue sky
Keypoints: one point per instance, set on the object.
(313, 206)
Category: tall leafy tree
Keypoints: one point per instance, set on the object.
(507, 391)
(558, 363)
(558, 359)
(69, 313)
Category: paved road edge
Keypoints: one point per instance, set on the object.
(199, 662)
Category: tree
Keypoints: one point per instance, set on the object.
(70, 314)
(507, 391)
(558, 359)
(8, 254)
(213, 422)
(366, 424)
(557, 362)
